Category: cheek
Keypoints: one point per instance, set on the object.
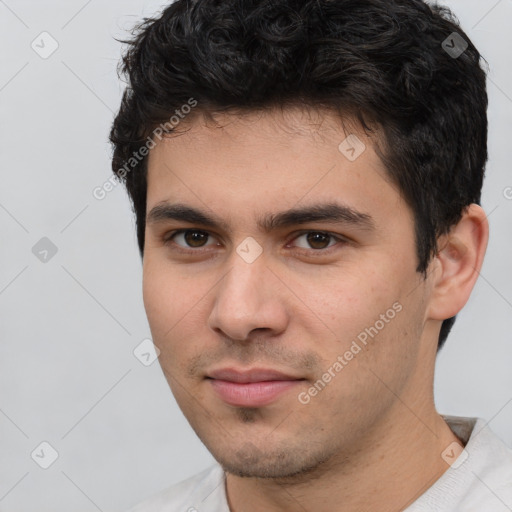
(175, 305)
(348, 304)
(371, 322)
(166, 299)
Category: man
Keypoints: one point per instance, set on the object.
(306, 178)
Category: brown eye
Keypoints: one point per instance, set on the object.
(195, 238)
(189, 238)
(317, 240)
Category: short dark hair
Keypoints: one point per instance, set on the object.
(403, 66)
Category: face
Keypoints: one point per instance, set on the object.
(287, 310)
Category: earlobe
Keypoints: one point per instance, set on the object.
(459, 260)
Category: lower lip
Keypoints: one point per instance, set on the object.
(251, 394)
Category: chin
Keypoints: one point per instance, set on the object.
(251, 462)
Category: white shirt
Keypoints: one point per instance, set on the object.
(479, 480)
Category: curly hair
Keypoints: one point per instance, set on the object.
(403, 67)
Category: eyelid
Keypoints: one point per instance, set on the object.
(168, 237)
(335, 236)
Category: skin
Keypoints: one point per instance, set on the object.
(371, 439)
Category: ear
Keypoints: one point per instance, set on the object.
(456, 266)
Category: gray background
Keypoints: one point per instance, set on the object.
(68, 375)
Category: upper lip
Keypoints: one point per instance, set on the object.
(252, 375)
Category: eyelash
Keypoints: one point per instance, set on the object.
(168, 238)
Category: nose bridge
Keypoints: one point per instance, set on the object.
(244, 300)
(243, 287)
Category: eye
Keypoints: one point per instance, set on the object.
(317, 240)
(191, 238)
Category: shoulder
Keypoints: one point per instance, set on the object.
(478, 480)
(491, 468)
(204, 491)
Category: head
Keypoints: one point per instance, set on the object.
(249, 121)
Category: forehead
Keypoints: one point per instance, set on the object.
(268, 137)
(284, 124)
(278, 157)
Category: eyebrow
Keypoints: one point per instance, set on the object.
(332, 213)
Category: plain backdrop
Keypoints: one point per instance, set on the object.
(70, 324)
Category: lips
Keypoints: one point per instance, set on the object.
(251, 388)
(253, 375)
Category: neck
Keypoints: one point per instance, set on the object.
(392, 466)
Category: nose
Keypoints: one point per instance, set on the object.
(248, 298)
